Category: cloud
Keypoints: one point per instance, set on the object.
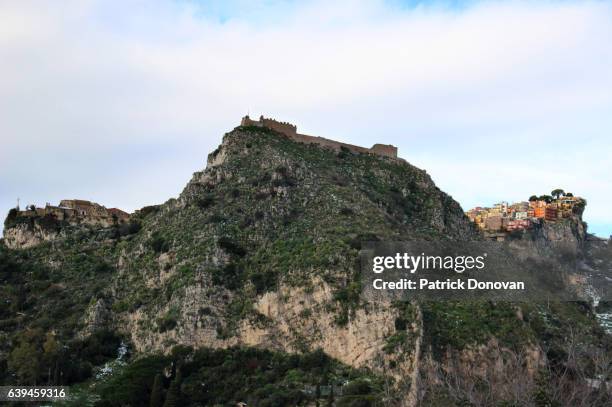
(119, 102)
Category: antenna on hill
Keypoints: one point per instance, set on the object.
(17, 203)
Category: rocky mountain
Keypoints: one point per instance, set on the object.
(251, 279)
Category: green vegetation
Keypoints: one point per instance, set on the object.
(545, 198)
(228, 376)
(167, 323)
(11, 218)
(557, 193)
(159, 243)
(156, 399)
(46, 294)
(40, 358)
(456, 325)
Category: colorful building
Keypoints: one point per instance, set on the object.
(503, 217)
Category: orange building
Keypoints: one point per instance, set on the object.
(539, 212)
(546, 213)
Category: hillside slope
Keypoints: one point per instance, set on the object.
(261, 250)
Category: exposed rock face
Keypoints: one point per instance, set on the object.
(25, 235)
(96, 317)
(295, 321)
(572, 230)
(568, 236)
(301, 322)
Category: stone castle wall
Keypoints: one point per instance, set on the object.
(290, 130)
(287, 129)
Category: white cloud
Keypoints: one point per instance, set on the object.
(120, 101)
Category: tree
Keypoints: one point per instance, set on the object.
(156, 392)
(51, 357)
(533, 198)
(11, 218)
(557, 193)
(24, 361)
(569, 194)
(545, 198)
(174, 391)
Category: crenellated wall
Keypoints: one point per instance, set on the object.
(290, 130)
(285, 128)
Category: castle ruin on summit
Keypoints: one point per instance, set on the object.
(290, 130)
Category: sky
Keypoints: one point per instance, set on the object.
(119, 102)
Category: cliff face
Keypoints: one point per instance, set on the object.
(571, 230)
(25, 235)
(262, 249)
(568, 236)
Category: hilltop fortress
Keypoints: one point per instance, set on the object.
(290, 130)
(75, 211)
(29, 227)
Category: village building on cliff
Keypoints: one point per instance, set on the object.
(77, 211)
(505, 218)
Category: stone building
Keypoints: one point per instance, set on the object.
(78, 211)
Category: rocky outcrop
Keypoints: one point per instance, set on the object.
(290, 320)
(299, 321)
(294, 320)
(24, 235)
(571, 230)
(96, 317)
